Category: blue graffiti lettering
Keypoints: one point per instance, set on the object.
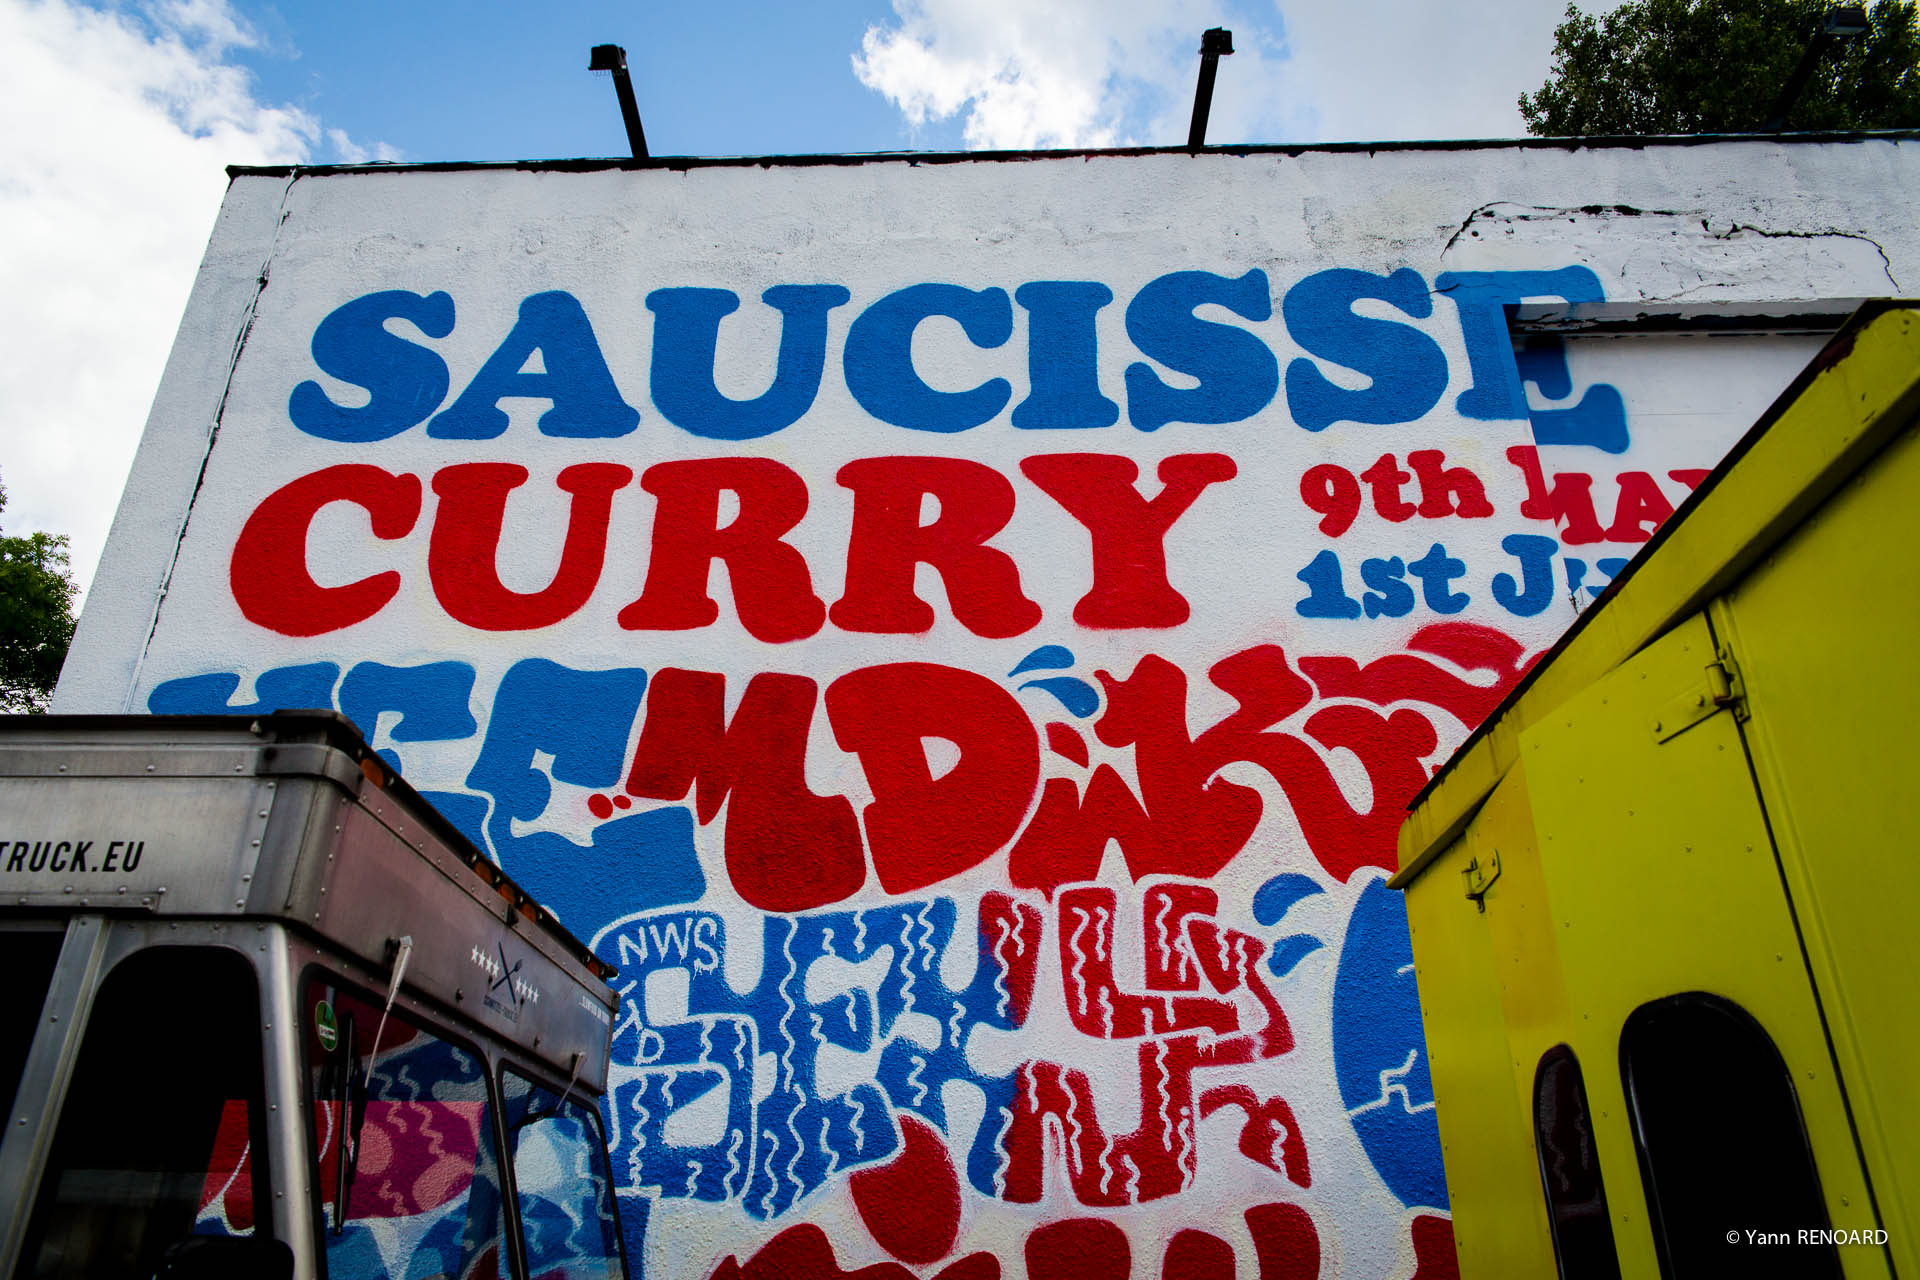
(803, 1095)
(1500, 372)
(1406, 368)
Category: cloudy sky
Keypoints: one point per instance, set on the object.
(120, 117)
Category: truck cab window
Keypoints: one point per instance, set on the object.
(562, 1184)
(408, 1177)
(160, 1118)
(27, 958)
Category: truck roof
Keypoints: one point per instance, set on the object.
(290, 816)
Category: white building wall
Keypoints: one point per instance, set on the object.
(1032, 905)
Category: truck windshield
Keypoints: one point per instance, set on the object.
(27, 957)
(159, 1119)
(408, 1178)
(561, 1182)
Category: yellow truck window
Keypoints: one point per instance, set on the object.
(1729, 1178)
(1570, 1170)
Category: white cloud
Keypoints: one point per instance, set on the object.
(1052, 73)
(1389, 69)
(1064, 73)
(347, 151)
(119, 126)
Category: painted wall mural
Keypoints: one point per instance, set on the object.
(961, 639)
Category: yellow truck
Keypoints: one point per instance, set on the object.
(1664, 899)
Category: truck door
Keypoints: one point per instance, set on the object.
(1689, 999)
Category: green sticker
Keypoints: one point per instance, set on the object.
(324, 1028)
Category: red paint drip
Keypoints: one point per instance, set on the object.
(1079, 1249)
(1433, 1249)
(1062, 740)
(911, 1205)
(1285, 1242)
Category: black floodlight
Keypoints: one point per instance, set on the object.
(1846, 20)
(612, 59)
(1840, 22)
(1215, 42)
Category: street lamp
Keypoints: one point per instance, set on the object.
(612, 59)
(1841, 22)
(1214, 42)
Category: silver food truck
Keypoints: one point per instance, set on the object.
(267, 1014)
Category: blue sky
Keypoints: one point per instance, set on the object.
(121, 115)
(480, 82)
(484, 83)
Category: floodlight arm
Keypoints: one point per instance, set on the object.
(612, 58)
(1841, 22)
(1214, 42)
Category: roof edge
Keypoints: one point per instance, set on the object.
(682, 163)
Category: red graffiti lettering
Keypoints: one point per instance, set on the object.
(1128, 532)
(463, 553)
(911, 1204)
(1079, 1249)
(1011, 930)
(1195, 1255)
(1331, 491)
(887, 541)
(922, 829)
(269, 574)
(1433, 1251)
(1270, 1135)
(1447, 491)
(1095, 1002)
(1690, 476)
(1170, 962)
(1064, 741)
(1069, 832)
(1178, 774)
(1286, 1244)
(1155, 1160)
(1189, 821)
(787, 849)
(1568, 503)
(1159, 1157)
(1386, 478)
(927, 825)
(803, 1252)
(1641, 510)
(772, 589)
(1402, 677)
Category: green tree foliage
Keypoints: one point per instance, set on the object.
(1717, 66)
(36, 617)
